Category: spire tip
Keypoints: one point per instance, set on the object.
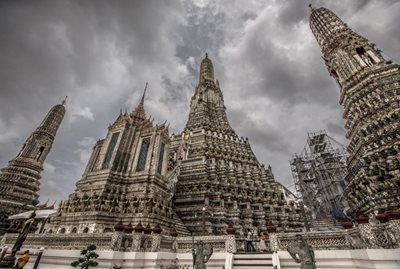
(144, 93)
(65, 100)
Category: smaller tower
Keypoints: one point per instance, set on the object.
(369, 94)
(319, 173)
(19, 181)
(126, 179)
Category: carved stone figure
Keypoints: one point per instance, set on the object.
(8, 261)
(355, 240)
(201, 254)
(24, 233)
(302, 253)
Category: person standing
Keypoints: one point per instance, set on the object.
(23, 260)
(249, 241)
(262, 246)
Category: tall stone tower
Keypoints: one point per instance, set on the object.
(370, 94)
(19, 181)
(126, 179)
(221, 184)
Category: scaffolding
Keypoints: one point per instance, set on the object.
(319, 173)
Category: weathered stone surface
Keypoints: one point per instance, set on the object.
(126, 180)
(220, 181)
(205, 177)
(370, 94)
(20, 180)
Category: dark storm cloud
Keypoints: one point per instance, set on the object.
(101, 53)
(98, 53)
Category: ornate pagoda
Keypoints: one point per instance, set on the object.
(126, 181)
(221, 184)
(20, 180)
(206, 180)
(370, 94)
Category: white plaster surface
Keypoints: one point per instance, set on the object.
(349, 259)
(327, 259)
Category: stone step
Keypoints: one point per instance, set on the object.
(253, 261)
(179, 226)
(251, 256)
(252, 267)
(325, 224)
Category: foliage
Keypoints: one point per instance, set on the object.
(88, 259)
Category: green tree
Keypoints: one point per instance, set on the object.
(88, 259)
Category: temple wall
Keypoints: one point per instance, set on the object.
(61, 259)
(349, 259)
(327, 259)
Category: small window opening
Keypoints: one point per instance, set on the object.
(360, 51)
(39, 154)
(365, 56)
(107, 230)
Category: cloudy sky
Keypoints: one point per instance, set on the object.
(101, 53)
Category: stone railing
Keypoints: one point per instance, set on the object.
(318, 240)
(61, 241)
(380, 235)
(383, 235)
(119, 241)
(220, 243)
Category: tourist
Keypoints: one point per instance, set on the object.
(249, 241)
(23, 260)
(262, 246)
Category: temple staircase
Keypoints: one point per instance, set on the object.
(172, 178)
(253, 261)
(325, 224)
(179, 226)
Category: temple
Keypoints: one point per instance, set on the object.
(126, 181)
(20, 180)
(221, 184)
(150, 199)
(369, 94)
(205, 180)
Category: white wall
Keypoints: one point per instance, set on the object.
(61, 259)
(349, 259)
(326, 259)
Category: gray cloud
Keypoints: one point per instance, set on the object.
(101, 53)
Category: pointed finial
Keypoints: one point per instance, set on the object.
(64, 101)
(206, 55)
(144, 93)
(311, 7)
